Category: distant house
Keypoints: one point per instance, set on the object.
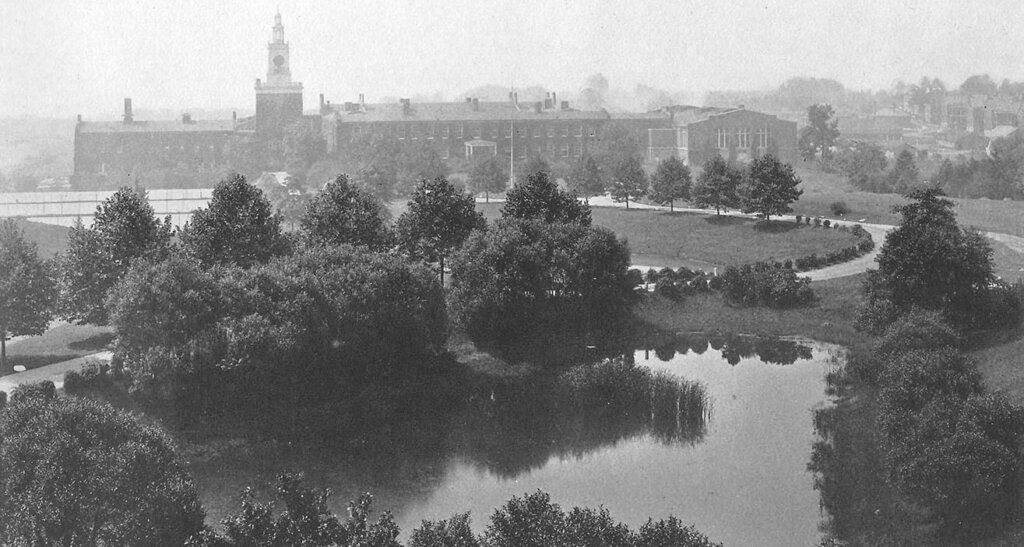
(980, 113)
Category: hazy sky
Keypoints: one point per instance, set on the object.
(62, 57)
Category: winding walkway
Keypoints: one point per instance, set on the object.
(54, 372)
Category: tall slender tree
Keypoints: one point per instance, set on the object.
(629, 181)
(586, 178)
(717, 186)
(771, 187)
(671, 181)
(26, 288)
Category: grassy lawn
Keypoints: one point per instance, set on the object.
(60, 343)
(660, 238)
(50, 239)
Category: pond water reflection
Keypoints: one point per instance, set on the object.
(739, 473)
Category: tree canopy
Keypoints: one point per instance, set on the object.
(771, 187)
(343, 214)
(817, 139)
(78, 472)
(717, 186)
(540, 198)
(237, 227)
(27, 292)
(439, 219)
(124, 229)
(671, 181)
(904, 175)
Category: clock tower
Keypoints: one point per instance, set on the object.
(279, 99)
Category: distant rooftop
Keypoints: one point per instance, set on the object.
(459, 111)
(163, 126)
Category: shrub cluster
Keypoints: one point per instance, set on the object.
(864, 245)
(766, 284)
(949, 447)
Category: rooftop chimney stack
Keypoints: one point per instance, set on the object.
(476, 104)
(362, 100)
(79, 118)
(537, 107)
(128, 110)
(186, 118)
(406, 107)
(321, 102)
(565, 105)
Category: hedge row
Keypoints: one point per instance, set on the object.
(863, 246)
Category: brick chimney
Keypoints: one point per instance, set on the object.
(538, 107)
(476, 104)
(406, 107)
(186, 118)
(547, 101)
(128, 110)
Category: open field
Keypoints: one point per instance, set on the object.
(822, 189)
(60, 343)
(660, 238)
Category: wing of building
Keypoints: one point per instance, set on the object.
(111, 153)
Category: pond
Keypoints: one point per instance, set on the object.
(737, 471)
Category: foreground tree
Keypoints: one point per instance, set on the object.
(629, 181)
(343, 214)
(817, 139)
(771, 187)
(124, 229)
(540, 199)
(586, 178)
(79, 472)
(306, 520)
(671, 181)
(237, 227)
(26, 288)
(929, 261)
(489, 175)
(717, 186)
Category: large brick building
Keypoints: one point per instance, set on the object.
(550, 129)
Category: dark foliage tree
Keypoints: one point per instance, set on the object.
(717, 186)
(615, 144)
(929, 261)
(79, 472)
(770, 188)
(522, 281)
(904, 176)
(27, 295)
(124, 229)
(628, 181)
(417, 163)
(489, 175)
(586, 178)
(439, 219)
(540, 199)
(237, 227)
(343, 214)
(671, 181)
(306, 520)
(817, 139)
(330, 318)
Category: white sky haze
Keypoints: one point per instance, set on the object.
(63, 57)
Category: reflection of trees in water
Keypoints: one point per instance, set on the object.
(518, 426)
(734, 347)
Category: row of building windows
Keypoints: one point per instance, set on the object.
(459, 131)
(742, 137)
(564, 150)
